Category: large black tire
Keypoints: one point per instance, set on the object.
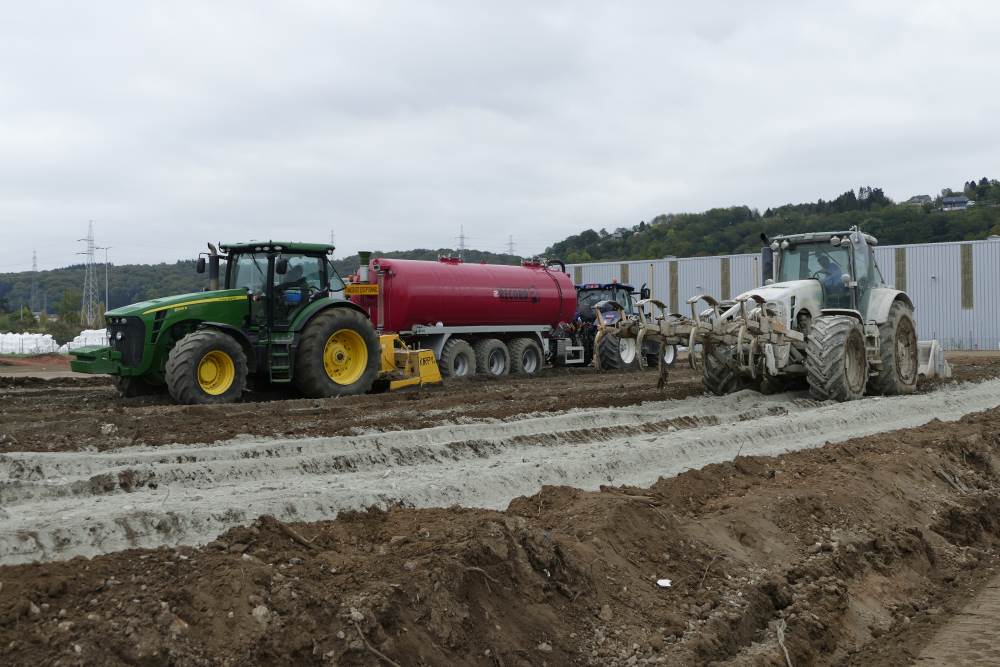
(130, 387)
(836, 365)
(610, 353)
(718, 374)
(338, 355)
(669, 357)
(206, 366)
(457, 359)
(492, 357)
(526, 356)
(898, 350)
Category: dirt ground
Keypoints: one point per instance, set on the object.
(855, 553)
(874, 551)
(66, 414)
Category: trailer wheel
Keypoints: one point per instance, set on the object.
(206, 367)
(898, 350)
(492, 357)
(130, 387)
(836, 365)
(457, 359)
(718, 376)
(525, 356)
(669, 357)
(338, 355)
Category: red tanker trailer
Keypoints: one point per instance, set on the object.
(485, 318)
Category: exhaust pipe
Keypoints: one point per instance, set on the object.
(213, 268)
(364, 257)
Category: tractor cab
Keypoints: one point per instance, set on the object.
(843, 264)
(589, 295)
(281, 279)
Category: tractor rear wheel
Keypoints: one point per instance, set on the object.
(526, 356)
(338, 355)
(130, 387)
(492, 357)
(898, 350)
(717, 373)
(206, 366)
(836, 365)
(616, 352)
(457, 359)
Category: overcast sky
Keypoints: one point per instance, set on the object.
(393, 124)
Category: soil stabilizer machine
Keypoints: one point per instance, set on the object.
(281, 316)
(824, 316)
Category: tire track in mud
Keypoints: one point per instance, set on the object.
(58, 505)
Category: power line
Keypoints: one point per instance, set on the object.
(510, 244)
(461, 241)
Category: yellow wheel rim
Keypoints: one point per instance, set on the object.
(345, 356)
(216, 373)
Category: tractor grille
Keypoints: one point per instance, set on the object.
(132, 341)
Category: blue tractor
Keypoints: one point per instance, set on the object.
(615, 352)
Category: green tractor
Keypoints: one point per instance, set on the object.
(281, 317)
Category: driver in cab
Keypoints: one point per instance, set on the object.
(832, 273)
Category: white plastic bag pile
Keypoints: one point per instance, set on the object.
(86, 337)
(27, 343)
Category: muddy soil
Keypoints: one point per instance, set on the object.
(69, 414)
(854, 553)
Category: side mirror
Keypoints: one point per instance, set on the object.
(281, 266)
(200, 266)
(645, 293)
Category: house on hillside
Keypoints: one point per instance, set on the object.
(956, 203)
(919, 200)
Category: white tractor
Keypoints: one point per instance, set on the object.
(825, 315)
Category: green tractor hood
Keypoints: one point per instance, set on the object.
(178, 302)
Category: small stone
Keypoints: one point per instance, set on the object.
(108, 429)
(65, 626)
(295, 561)
(544, 647)
(357, 616)
(815, 548)
(656, 643)
(237, 547)
(606, 613)
(340, 634)
(178, 626)
(34, 609)
(77, 649)
(261, 614)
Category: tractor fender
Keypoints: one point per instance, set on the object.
(880, 301)
(240, 337)
(843, 311)
(318, 306)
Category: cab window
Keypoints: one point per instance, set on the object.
(247, 271)
(302, 271)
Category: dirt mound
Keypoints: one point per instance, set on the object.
(852, 553)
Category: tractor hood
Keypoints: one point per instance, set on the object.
(807, 295)
(179, 301)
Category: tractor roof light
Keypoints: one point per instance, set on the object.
(784, 245)
(834, 240)
(775, 246)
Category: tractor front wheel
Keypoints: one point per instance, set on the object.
(718, 375)
(836, 365)
(206, 366)
(898, 350)
(615, 352)
(338, 355)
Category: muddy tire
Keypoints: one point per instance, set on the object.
(717, 375)
(338, 355)
(836, 365)
(617, 353)
(898, 350)
(206, 367)
(669, 353)
(130, 387)
(457, 359)
(492, 357)
(526, 356)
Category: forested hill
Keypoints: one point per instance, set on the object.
(722, 231)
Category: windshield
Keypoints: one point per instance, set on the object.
(814, 260)
(587, 299)
(247, 271)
